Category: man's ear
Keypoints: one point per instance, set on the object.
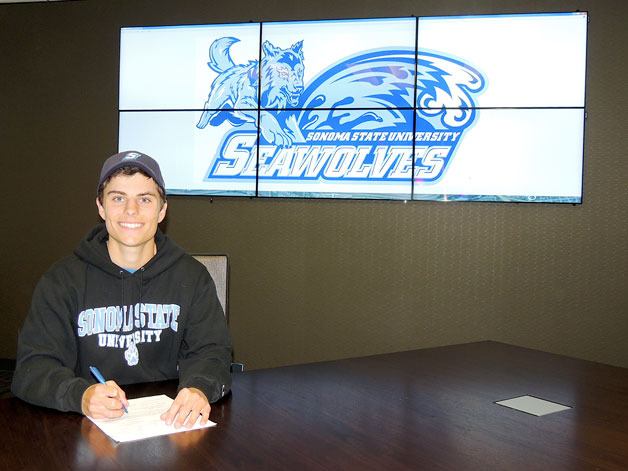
(162, 211)
(101, 210)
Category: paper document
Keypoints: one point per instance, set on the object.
(143, 420)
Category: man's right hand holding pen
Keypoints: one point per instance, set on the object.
(104, 401)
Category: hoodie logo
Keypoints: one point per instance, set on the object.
(125, 327)
(132, 355)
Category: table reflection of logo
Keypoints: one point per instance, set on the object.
(374, 116)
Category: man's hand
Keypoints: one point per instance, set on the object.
(187, 406)
(104, 401)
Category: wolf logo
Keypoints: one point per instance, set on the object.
(235, 90)
(132, 355)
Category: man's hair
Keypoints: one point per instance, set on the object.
(127, 172)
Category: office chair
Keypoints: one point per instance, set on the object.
(218, 268)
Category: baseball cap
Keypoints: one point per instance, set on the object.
(132, 158)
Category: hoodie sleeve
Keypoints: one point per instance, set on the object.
(205, 355)
(47, 350)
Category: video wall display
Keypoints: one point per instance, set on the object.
(477, 108)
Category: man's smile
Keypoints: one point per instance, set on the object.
(131, 225)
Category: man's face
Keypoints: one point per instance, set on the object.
(131, 209)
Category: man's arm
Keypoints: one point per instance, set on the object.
(204, 358)
(47, 351)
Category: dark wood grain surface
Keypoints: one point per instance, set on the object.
(427, 409)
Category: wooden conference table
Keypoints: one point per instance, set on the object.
(427, 409)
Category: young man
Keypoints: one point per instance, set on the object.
(130, 302)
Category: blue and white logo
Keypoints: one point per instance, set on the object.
(132, 156)
(359, 120)
(236, 87)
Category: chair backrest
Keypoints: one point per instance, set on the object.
(218, 268)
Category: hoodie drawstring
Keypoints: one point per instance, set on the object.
(122, 281)
(141, 284)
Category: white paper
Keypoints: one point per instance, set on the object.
(143, 420)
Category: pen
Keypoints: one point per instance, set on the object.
(101, 379)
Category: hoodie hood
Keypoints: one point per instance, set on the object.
(93, 251)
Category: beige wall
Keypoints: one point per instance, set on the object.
(315, 280)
